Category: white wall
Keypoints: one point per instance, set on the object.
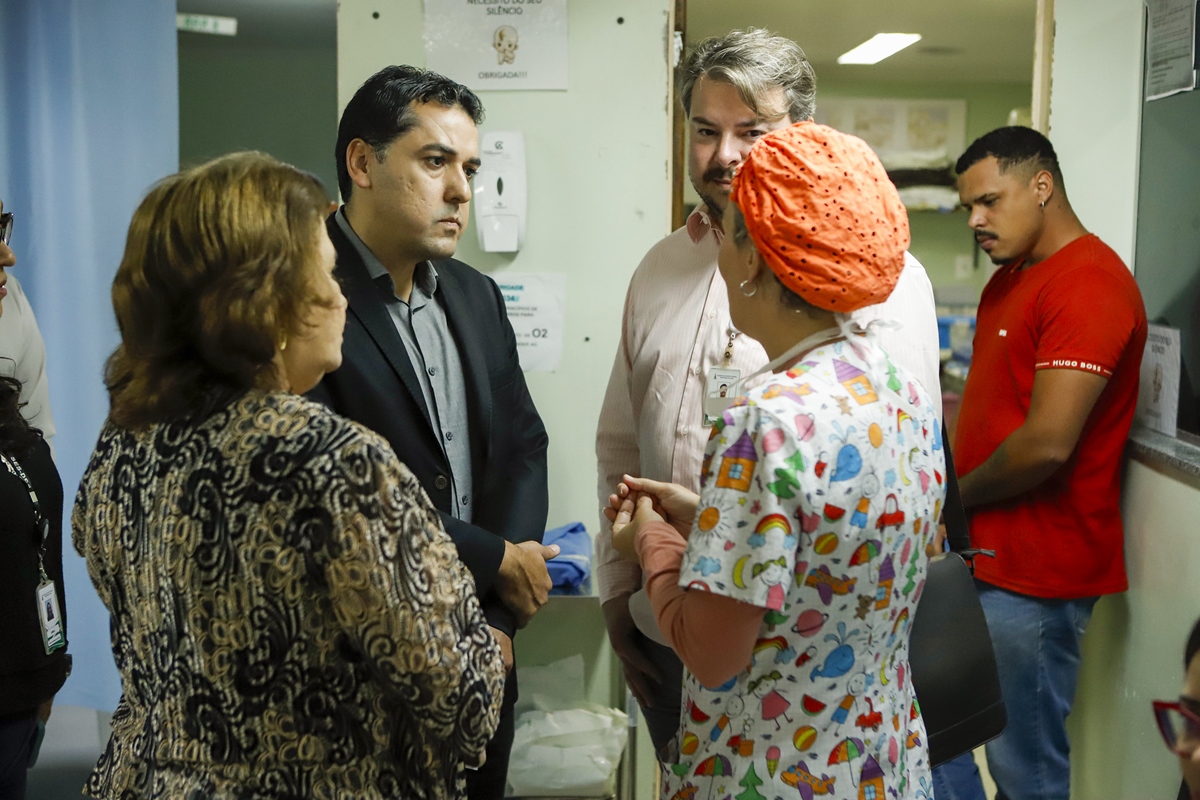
(1096, 112)
(1133, 651)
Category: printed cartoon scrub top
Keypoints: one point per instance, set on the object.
(820, 491)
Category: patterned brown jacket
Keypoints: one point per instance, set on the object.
(288, 617)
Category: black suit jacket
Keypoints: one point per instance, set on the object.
(377, 386)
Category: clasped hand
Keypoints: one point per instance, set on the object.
(523, 582)
(638, 501)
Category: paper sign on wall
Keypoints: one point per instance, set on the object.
(536, 304)
(1158, 389)
(1170, 48)
(498, 44)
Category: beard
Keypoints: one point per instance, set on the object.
(714, 200)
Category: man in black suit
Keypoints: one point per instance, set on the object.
(429, 357)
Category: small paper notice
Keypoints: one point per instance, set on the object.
(536, 304)
(1170, 48)
(1158, 390)
(498, 44)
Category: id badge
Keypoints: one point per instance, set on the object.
(48, 613)
(719, 392)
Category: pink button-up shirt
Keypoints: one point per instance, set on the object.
(675, 328)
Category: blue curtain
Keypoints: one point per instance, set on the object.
(89, 119)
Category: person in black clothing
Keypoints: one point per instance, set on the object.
(429, 358)
(33, 654)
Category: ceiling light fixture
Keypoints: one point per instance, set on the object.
(879, 47)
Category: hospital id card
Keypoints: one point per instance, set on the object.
(48, 612)
(719, 392)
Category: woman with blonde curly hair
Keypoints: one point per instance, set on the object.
(288, 616)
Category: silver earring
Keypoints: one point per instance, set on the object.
(1043, 204)
(753, 288)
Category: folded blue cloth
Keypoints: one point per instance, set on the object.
(572, 567)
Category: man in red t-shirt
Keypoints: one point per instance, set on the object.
(1047, 408)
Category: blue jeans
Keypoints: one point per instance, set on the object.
(1037, 656)
(958, 779)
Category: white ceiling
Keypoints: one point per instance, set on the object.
(964, 40)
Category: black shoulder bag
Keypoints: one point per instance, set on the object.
(950, 649)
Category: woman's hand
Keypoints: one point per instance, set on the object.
(628, 522)
(672, 502)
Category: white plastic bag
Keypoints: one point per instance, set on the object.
(572, 752)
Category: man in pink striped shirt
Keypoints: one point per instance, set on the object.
(677, 337)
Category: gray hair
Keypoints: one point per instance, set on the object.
(754, 61)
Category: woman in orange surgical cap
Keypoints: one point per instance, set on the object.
(805, 551)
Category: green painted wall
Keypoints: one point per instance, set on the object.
(258, 95)
(939, 239)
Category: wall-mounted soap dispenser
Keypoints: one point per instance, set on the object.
(501, 193)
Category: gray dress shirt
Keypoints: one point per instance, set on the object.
(433, 353)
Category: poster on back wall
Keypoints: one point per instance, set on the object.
(498, 44)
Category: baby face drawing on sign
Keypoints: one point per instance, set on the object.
(504, 40)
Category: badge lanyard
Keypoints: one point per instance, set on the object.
(722, 385)
(47, 595)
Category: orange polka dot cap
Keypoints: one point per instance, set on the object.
(824, 215)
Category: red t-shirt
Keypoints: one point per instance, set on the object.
(1078, 309)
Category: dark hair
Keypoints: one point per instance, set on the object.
(1193, 645)
(219, 268)
(1013, 146)
(16, 434)
(381, 111)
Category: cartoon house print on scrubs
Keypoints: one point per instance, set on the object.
(887, 577)
(856, 382)
(871, 781)
(737, 465)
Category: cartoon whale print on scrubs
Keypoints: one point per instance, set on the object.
(849, 460)
(841, 660)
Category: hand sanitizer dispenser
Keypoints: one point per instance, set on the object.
(501, 196)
